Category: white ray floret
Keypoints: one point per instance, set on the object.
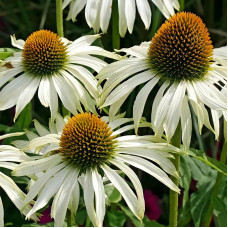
(98, 12)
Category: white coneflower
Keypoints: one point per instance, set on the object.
(9, 157)
(91, 147)
(180, 59)
(98, 12)
(55, 65)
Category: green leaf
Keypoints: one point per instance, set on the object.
(184, 215)
(24, 118)
(200, 199)
(200, 155)
(186, 178)
(220, 212)
(6, 52)
(130, 215)
(151, 223)
(50, 224)
(80, 217)
(115, 218)
(113, 194)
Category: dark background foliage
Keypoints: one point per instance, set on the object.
(22, 17)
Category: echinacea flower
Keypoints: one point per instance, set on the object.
(9, 157)
(87, 148)
(98, 12)
(55, 65)
(180, 60)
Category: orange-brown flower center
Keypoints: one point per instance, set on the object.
(181, 49)
(44, 53)
(87, 141)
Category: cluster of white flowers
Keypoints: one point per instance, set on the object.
(86, 149)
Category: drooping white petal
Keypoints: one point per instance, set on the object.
(28, 168)
(161, 6)
(140, 101)
(186, 123)
(75, 8)
(11, 135)
(65, 3)
(105, 14)
(91, 12)
(41, 181)
(62, 198)
(49, 190)
(65, 93)
(154, 155)
(1, 214)
(99, 196)
(74, 198)
(157, 101)
(150, 169)
(173, 113)
(122, 18)
(136, 182)
(124, 189)
(169, 7)
(130, 13)
(5, 76)
(144, 12)
(14, 88)
(89, 197)
(215, 117)
(26, 96)
(128, 85)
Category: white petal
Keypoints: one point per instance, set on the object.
(11, 135)
(150, 169)
(99, 196)
(41, 181)
(41, 129)
(91, 12)
(169, 7)
(65, 93)
(173, 115)
(17, 43)
(186, 123)
(161, 6)
(130, 12)
(122, 18)
(215, 117)
(157, 101)
(136, 182)
(82, 42)
(10, 93)
(105, 14)
(89, 197)
(26, 96)
(1, 214)
(5, 76)
(124, 190)
(74, 198)
(28, 168)
(65, 3)
(144, 12)
(62, 198)
(126, 86)
(75, 8)
(140, 101)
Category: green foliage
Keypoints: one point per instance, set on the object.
(195, 207)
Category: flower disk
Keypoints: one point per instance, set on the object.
(44, 53)
(86, 141)
(181, 49)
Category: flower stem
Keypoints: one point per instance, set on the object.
(181, 5)
(59, 18)
(173, 196)
(115, 27)
(87, 222)
(216, 188)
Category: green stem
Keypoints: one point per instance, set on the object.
(59, 18)
(157, 18)
(115, 26)
(68, 218)
(216, 187)
(181, 5)
(173, 196)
